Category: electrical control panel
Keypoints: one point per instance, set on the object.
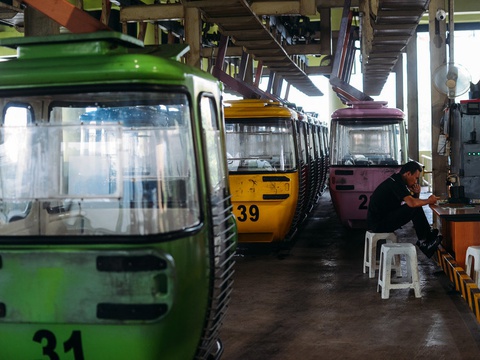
(471, 160)
(465, 147)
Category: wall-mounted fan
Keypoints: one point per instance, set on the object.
(452, 80)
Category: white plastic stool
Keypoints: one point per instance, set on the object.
(412, 281)
(473, 253)
(370, 251)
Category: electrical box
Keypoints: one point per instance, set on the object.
(471, 107)
(465, 147)
(471, 160)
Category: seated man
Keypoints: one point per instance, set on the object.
(396, 201)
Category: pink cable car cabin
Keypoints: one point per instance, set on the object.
(368, 144)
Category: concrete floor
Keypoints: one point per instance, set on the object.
(316, 303)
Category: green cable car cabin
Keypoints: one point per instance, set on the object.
(117, 237)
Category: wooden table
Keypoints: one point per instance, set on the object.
(460, 226)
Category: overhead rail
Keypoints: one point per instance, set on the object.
(248, 33)
(236, 19)
(386, 33)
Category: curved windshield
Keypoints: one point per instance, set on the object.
(122, 165)
(368, 142)
(259, 145)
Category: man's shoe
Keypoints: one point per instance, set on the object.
(429, 248)
(432, 235)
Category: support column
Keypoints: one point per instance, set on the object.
(412, 99)
(193, 35)
(438, 100)
(399, 103)
(325, 31)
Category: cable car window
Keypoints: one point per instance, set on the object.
(122, 166)
(16, 116)
(256, 145)
(302, 142)
(214, 148)
(376, 142)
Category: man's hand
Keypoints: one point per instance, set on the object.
(432, 199)
(414, 201)
(416, 188)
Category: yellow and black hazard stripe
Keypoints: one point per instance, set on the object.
(462, 281)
